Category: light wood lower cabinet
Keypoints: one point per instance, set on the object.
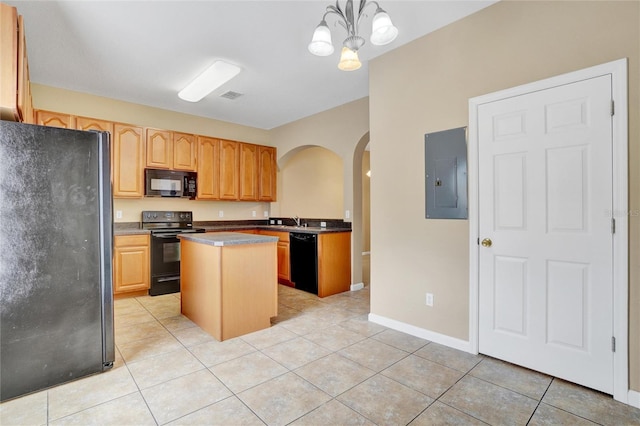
(130, 263)
(334, 263)
(284, 265)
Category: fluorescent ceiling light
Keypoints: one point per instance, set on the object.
(215, 76)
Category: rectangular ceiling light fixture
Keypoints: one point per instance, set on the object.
(215, 76)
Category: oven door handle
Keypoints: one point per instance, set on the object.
(166, 237)
(164, 280)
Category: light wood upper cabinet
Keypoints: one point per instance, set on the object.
(184, 152)
(128, 161)
(159, 149)
(130, 263)
(15, 89)
(229, 166)
(86, 123)
(248, 172)
(55, 119)
(208, 168)
(267, 173)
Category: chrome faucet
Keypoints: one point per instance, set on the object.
(296, 219)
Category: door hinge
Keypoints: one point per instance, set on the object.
(613, 107)
(478, 241)
(613, 226)
(613, 344)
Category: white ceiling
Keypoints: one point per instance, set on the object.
(146, 51)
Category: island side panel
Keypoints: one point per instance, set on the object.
(249, 289)
(334, 263)
(200, 286)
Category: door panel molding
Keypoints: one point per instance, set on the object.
(618, 71)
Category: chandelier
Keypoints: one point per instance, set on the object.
(382, 32)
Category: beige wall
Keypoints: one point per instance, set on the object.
(312, 184)
(366, 202)
(425, 87)
(82, 104)
(343, 130)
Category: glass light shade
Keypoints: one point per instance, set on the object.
(213, 77)
(349, 60)
(321, 42)
(382, 31)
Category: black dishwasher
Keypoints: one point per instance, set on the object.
(304, 261)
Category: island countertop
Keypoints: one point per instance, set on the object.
(221, 239)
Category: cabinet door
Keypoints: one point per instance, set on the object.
(55, 119)
(128, 165)
(334, 263)
(184, 152)
(85, 123)
(208, 168)
(9, 63)
(267, 173)
(159, 149)
(131, 263)
(248, 172)
(24, 91)
(229, 164)
(284, 275)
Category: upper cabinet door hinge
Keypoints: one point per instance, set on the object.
(613, 107)
(613, 344)
(613, 226)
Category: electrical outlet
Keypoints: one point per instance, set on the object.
(272, 222)
(429, 300)
(347, 214)
(118, 214)
(265, 213)
(323, 224)
(220, 213)
(253, 213)
(279, 222)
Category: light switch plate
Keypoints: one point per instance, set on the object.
(220, 213)
(118, 214)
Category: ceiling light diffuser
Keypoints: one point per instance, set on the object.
(213, 77)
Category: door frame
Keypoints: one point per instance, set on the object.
(618, 71)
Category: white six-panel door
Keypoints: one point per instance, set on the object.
(545, 201)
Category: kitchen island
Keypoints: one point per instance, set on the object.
(229, 284)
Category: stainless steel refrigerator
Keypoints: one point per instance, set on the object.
(56, 301)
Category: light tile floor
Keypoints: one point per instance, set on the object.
(321, 363)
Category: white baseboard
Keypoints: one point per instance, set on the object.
(634, 398)
(358, 286)
(432, 336)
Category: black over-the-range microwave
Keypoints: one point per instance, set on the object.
(170, 183)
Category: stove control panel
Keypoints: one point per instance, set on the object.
(166, 217)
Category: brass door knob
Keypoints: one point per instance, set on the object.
(486, 242)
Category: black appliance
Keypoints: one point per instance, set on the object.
(304, 261)
(165, 226)
(170, 183)
(56, 236)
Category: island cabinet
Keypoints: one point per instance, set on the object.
(228, 282)
(208, 168)
(130, 263)
(284, 267)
